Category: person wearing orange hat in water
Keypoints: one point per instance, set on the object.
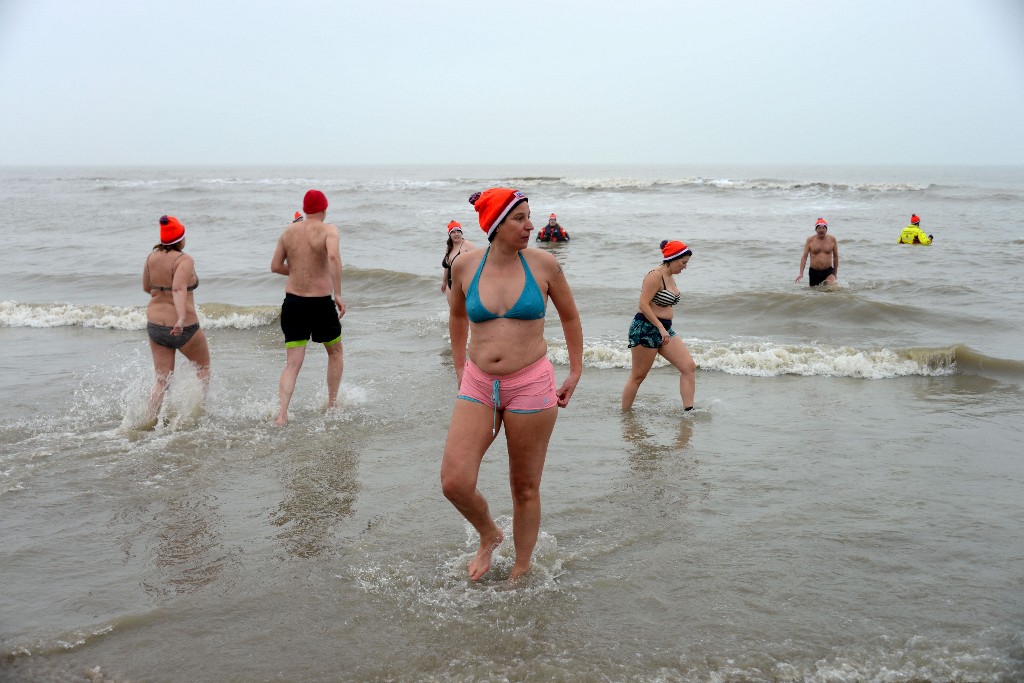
(457, 245)
(500, 295)
(169, 278)
(553, 232)
(309, 255)
(913, 234)
(651, 333)
(824, 252)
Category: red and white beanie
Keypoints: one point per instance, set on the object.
(821, 222)
(494, 204)
(171, 230)
(673, 249)
(454, 225)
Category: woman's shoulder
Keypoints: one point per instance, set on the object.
(467, 258)
(653, 278)
(539, 258)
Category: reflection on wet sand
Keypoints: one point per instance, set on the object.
(663, 472)
(321, 491)
(189, 553)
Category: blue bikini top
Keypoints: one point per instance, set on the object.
(530, 306)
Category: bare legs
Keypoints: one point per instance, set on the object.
(676, 353)
(469, 436)
(163, 366)
(335, 365)
(196, 350)
(527, 436)
(294, 356)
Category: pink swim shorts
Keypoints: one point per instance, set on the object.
(524, 391)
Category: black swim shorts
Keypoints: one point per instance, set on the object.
(816, 277)
(305, 317)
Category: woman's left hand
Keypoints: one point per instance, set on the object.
(565, 392)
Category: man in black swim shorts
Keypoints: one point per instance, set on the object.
(815, 277)
(823, 251)
(308, 253)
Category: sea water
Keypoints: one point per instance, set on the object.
(844, 504)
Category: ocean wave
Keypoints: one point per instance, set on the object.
(100, 316)
(768, 359)
(628, 184)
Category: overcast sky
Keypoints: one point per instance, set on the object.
(544, 81)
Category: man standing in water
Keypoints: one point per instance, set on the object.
(308, 253)
(824, 252)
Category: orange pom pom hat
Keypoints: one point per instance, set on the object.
(494, 204)
(171, 230)
(314, 202)
(821, 221)
(671, 250)
(454, 225)
(552, 217)
(915, 220)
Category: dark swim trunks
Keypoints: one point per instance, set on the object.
(643, 333)
(816, 277)
(303, 317)
(161, 334)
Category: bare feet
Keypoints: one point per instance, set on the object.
(481, 562)
(518, 571)
(281, 420)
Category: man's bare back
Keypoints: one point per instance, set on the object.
(304, 254)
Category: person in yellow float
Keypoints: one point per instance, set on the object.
(913, 234)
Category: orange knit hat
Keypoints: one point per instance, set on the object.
(671, 250)
(314, 202)
(494, 204)
(454, 225)
(915, 219)
(552, 216)
(171, 230)
(821, 221)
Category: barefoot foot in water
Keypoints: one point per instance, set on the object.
(518, 571)
(481, 562)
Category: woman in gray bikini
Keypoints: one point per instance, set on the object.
(173, 325)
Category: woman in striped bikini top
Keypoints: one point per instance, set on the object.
(650, 331)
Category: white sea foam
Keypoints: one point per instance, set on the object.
(100, 316)
(768, 359)
(14, 314)
(740, 185)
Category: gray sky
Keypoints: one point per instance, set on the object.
(544, 81)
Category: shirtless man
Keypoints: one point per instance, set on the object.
(308, 254)
(824, 252)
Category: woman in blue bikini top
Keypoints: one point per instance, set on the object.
(505, 377)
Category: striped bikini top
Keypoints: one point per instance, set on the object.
(665, 297)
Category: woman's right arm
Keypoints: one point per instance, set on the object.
(458, 320)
